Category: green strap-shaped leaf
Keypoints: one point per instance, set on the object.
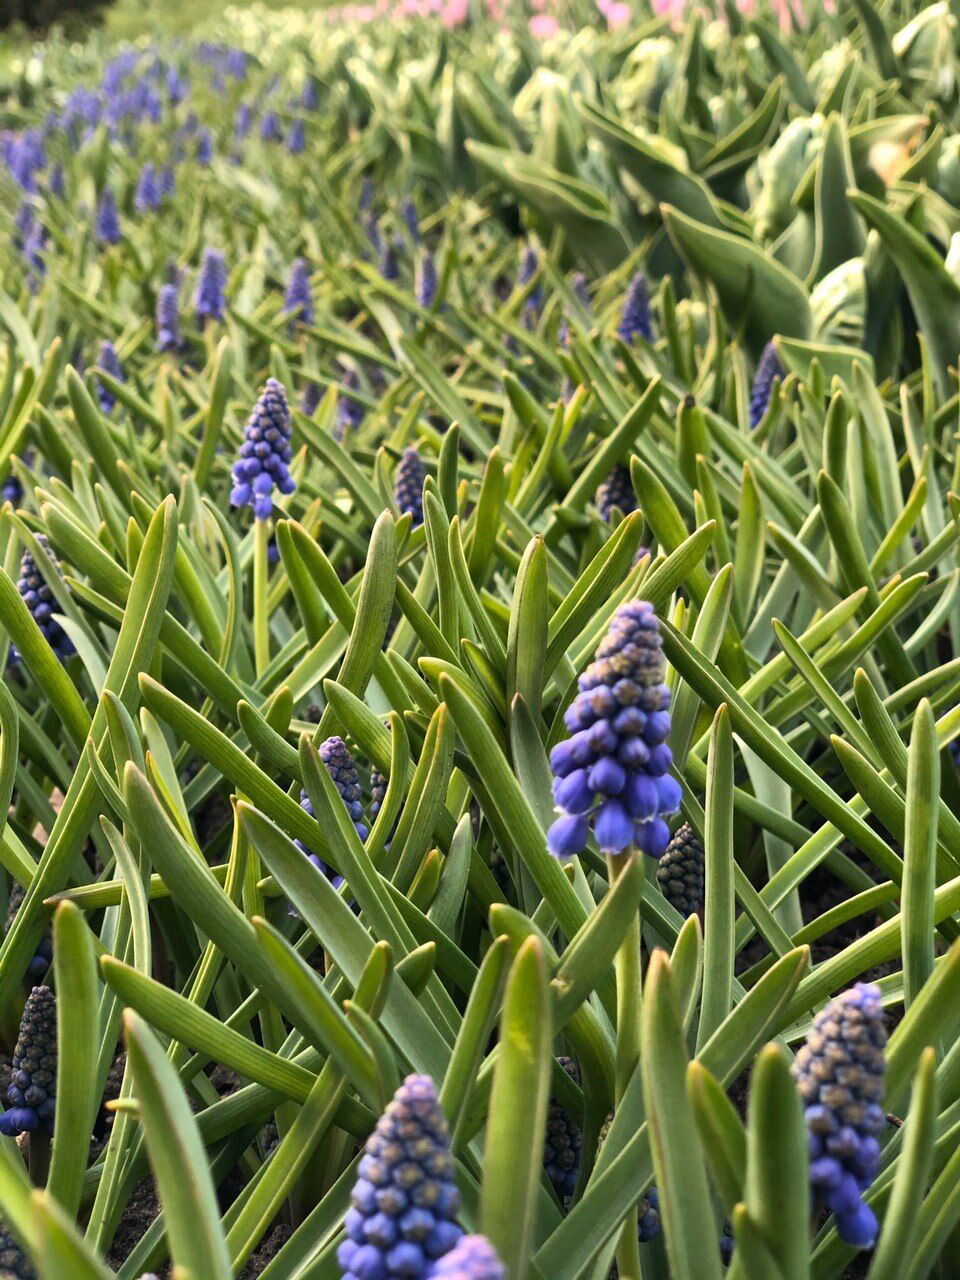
(722, 1133)
(901, 1220)
(934, 293)
(920, 853)
(78, 1027)
(759, 297)
(516, 1123)
(678, 1157)
(178, 1158)
(718, 948)
(778, 1185)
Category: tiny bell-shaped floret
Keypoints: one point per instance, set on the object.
(680, 872)
(264, 461)
(563, 1142)
(769, 369)
(109, 362)
(211, 300)
(616, 493)
(612, 775)
(635, 318)
(33, 1079)
(408, 488)
(298, 302)
(471, 1258)
(839, 1072)
(41, 602)
(404, 1203)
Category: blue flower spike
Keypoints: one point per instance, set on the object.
(611, 776)
(404, 1203)
(33, 1079)
(840, 1073)
(264, 462)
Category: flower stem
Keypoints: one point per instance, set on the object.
(628, 1049)
(261, 622)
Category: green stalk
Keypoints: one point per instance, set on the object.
(261, 617)
(628, 1049)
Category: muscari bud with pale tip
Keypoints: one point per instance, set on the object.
(839, 1071)
(404, 1203)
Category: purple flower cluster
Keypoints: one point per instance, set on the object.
(211, 297)
(612, 774)
(769, 369)
(147, 196)
(108, 219)
(839, 1072)
(43, 956)
(427, 281)
(168, 317)
(298, 300)
(33, 1080)
(404, 1203)
(109, 362)
(13, 1261)
(40, 600)
(349, 410)
(340, 765)
(264, 462)
(12, 490)
(408, 486)
(635, 318)
(563, 1142)
(616, 493)
(680, 872)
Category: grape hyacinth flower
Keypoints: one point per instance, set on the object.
(242, 121)
(56, 185)
(43, 956)
(310, 97)
(371, 225)
(390, 261)
(635, 318)
(108, 220)
(405, 1200)
(109, 362)
(408, 487)
(427, 281)
(270, 130)
(680, 872)
(167, 182)
(204, 152)
(264, 462)
(13, 1261)
(210, 302)
(563, 1142)
(408, 212)
(147, 196)
(769, 369)
(339, 763)
(471, 1258)
(41, 602)
(310, 400)
(168, 318)
(839, 1071)
(378, 791)
(616, 493)
(33, 1080)
(612, 774)
(296, 139)
(529, 263)
(298, 301)
(367, 192)
(12, 490)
